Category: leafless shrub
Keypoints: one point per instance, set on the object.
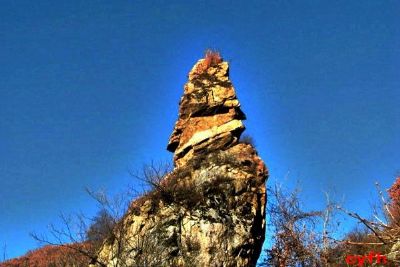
(221, 158)
(293, 239)
(380, 233)
(107, 228)
(211, 58)
(4, 251)
(175, 187)
(247, 139)
(300, 238)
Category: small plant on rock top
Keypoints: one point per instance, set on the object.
(211, 58)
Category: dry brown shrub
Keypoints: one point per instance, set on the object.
(394, 205)
(52, 256)
(211, 58)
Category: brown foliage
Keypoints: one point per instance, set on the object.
(394, 205)
(394, 191)
(176, 187)
(359, 241)
(211, 58)
(54, 256)
(381, 233)
(296, 241)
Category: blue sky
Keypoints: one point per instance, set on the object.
(90, 89)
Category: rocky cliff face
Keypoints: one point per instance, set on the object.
(209, 210)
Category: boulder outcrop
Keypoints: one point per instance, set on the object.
(210, 209)
(209, 113)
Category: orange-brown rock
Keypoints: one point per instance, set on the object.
(209, 114)
(210, 210)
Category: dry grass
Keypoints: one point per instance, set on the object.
(211, 58)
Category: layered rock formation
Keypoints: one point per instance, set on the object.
(209, 210)
(209, 113)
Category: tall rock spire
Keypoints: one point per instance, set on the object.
(210, 209)
(209, 112)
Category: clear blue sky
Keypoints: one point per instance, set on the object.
(89, 89)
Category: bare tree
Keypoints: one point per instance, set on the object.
(110, 227)
(382, 231)
(292, 239)
(300, 238)
(86, 235)
(4, 249)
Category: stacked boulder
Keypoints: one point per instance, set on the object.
(209, 114)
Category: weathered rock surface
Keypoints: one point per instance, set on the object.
(210, 210)
(394, 254)
(209, 114)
